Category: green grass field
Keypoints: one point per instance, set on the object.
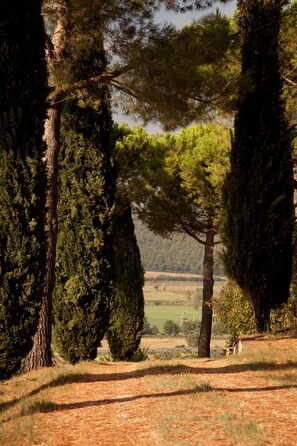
(159, 314)
(173, 300)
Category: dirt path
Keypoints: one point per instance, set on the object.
(107, 409)
(249, 400)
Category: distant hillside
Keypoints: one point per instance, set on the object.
(180, 253)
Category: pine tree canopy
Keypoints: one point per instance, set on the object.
(152, 69)
(174, 180)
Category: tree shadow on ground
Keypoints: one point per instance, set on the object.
(57, 382)
(53, 407)
(70, 378)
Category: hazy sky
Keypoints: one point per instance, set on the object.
(179, 20)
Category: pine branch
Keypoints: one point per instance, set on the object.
(289, 81)
(103, 78)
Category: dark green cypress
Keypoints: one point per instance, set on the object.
(258, 192)
(82, 296)
(23, 94)
(126, 323)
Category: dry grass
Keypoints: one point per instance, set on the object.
(25, 397)
(176, 291)
(244, 400)
(201, 415)
(154, 274)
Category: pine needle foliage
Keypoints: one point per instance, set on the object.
(82, 296)
(126, 323)
(22, 187)
(258, 191)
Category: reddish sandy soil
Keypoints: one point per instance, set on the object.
(154, 403)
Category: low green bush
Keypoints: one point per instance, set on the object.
(171, 328)
(191, 330)
(147, 329)
(236, 314)
(141, 354)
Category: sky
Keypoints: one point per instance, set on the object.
(179, 20)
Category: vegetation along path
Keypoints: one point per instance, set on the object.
(246, 399)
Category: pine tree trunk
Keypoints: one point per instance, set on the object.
(40, 354)
(206, 322)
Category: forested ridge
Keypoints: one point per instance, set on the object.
(174, 254)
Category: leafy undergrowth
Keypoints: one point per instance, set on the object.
(247, 399)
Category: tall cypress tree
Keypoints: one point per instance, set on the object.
(82, 296)
(258, 191)
(22, 187)
(126, 322)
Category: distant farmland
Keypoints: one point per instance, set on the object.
(168, 298)
(159, 314)
(162, 284)
(155, 297)
(154, 274)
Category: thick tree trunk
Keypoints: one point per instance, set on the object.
(262, 315)
(206, 322)
(40, 355)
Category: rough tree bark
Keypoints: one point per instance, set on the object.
(40, 354)
(206, 321)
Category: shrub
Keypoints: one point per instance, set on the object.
(147, 329)
(191, 330)
(141, 354)
(236, 313)
(155, 330)
(218, 328)
(285, 316)
(171, 328)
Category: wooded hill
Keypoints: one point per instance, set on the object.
(175, 254)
